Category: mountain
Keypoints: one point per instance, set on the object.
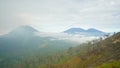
(23, 40)
(22, 31)
(89, 32)
(95, 32)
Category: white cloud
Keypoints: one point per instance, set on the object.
(76, 38)
(58, 15)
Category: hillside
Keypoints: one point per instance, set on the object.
(96, 54)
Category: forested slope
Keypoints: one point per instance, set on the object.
(95, 54)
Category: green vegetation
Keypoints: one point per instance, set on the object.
(114, 64)
(95, 54)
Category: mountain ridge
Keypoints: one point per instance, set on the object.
(90, 31)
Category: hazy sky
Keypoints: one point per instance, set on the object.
(59, 15)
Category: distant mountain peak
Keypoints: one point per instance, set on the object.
(90, 31)
(23, 30)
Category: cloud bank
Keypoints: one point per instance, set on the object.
(75, 38)
(59, 15)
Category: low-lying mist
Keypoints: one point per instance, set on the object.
(75, 38)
